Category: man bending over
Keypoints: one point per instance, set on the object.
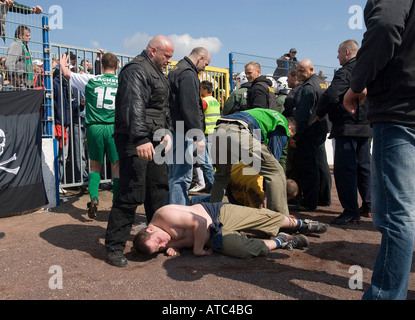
(220, 227)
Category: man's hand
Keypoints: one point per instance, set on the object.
(202, 253)
(37, 9)
(146, 152)
(172, 252)
(167, 139)
(63, 61)
(351, 98)
(8, 3)
(293, 144)
(201, 145)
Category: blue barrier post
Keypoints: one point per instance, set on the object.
(231, 68)
(48, 76)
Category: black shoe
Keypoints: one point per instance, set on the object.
(116, 258)
(92, 208)
(311, 226)
(346, 218)
(2, 235)
(365, 211)
(289, 242)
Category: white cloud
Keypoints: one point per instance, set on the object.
(183, 44)
(95, 44)
(136, 43)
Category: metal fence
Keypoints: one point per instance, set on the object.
(38, 70)
(24, 52)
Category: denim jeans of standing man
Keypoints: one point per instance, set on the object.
(393, 209)
(180, 170)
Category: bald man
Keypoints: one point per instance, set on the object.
(311, 170)
(352, 147)
(141, 108)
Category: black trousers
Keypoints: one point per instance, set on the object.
(312, 171)
(141, 182)
(352, 172)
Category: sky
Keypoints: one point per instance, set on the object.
(267, 28)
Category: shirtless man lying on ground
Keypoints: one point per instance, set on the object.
(222, 227)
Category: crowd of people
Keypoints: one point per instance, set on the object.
(262, 152)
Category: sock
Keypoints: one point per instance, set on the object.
(279, 243)
(115, 187)
(281, 240)
(94, 181)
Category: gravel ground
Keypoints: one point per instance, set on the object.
(59, 255)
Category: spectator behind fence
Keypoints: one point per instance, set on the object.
(13, 6)
(220, 227)
(285, 63)
(261, 94)
(352, 145)
(63, 97)
(141, 112)
(19, 60)
(386, 67)
(100, 93)
(282, 92)
(38, 79)
(186, 109)
(309, 141)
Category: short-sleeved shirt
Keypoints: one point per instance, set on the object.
(100, 92)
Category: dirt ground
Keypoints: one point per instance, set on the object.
(41, 246)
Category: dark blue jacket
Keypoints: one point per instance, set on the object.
(64, 112)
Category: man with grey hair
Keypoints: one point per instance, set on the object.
(186, 109)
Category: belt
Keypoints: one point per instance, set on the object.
(240, 123)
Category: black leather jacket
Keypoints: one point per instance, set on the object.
(185, 101)
(331, 103)
(141, 105)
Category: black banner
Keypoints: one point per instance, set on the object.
(21, 179)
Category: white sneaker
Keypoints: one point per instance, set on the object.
(62, 191)
(197, 188)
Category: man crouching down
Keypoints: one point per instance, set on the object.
(221, 227)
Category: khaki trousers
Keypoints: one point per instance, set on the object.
(233, 143)
(237, 219)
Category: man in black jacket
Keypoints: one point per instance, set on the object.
(141, 109)
(351, 133)
(386, 68)
(186, 108)
(311, 172)
(261, 94)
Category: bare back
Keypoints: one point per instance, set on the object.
(187, 226)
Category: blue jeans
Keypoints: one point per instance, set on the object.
(205, 163)
(393, 209)
(180, 170)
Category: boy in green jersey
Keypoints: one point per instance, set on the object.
(100, 92)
